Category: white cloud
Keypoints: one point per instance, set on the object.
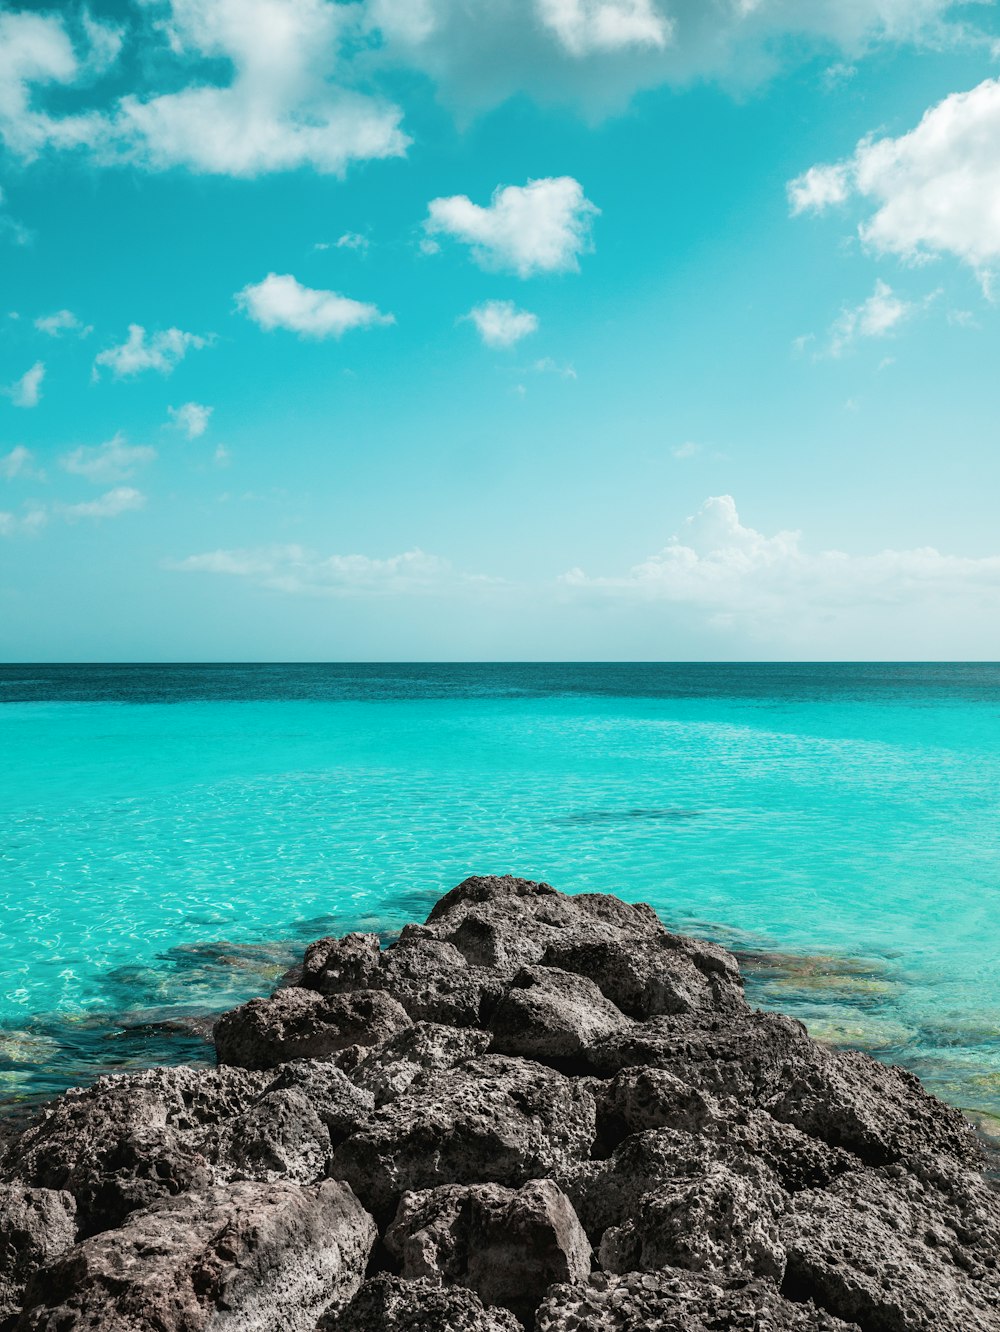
(586, 26)
(191, 417)
(772, 588)
(689, 449)
(596, 54)
(501, 323)
(161, 351)
(19, 464)
(123, 499)
(30, 521)
(935, 190)
(818, 188)
(280, 301)
(352, 240)
(63, 321)
(876, 317)
(297, 570)
(27, 391)
(114, 460)
(547, 366)
(541, 227)
(287, 102)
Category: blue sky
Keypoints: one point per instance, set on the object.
(406, 329)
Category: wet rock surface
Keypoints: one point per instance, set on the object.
(531, 1111)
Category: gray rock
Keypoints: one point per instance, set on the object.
(250, 1258)
(678, 1302)
(340, 1103)
(897, 1253)
(128, 1141)
(490, 1120)
(281, 1137)
(302, 1024)
(508, 1246)
(387, 1304)
(654, 974)
(552, 1015)
(424, 1047)
(36, 1225)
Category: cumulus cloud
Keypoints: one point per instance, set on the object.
(114, 460)
(773, 587)
(19, 465)
(191, 417)
(876, 317)
(287, 102)
(162, 351)
(932, 191)
(123, 499)
(541, 227)
(501, 323)
(27, 391)
(63, 321)
(281, 301)
(596, 54)
(27, 522)
(586, 26)
(297, 570)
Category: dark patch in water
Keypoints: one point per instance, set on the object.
(669, 815)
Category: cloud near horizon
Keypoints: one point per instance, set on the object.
(774, 588)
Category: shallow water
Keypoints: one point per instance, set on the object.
(163, 827)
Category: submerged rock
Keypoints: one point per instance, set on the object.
(531, 1109)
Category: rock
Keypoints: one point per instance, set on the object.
(340, 1103)
(270, 1258)
(127, 1142)
(897, 1253)
(302, 1024)
(281, 1137)
(550, 1014)
(678, 1302)
(492, 1119)
(720, 1222)
(424, 1047)
(36, 1225)
(655, 974)
(508, 1246)
(387, 1304)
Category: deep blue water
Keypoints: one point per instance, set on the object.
(172, 834)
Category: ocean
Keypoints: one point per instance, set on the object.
(170, 836)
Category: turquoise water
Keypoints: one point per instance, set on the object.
(171, 835)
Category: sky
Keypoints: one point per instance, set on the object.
(499, 329)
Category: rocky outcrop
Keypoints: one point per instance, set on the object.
(532, 1111)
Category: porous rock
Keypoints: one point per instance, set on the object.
(678, 1302)
(552, 1015)
(251, 1257)
(507, 1245)
(387, 1304)
(127, 1142)
(302, 1024)
(36, 1225)
(492, 1119)
(422, 1048)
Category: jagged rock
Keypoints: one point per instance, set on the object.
(36, 1225)
(719, 1222)
(898, 1253)
(129, 1141)
(281, 1137)
(430, 978)
(552, 1014)
(302, 1024)
(340, 1103)
(387, 1304)
(678, 1302)
(424, 1047)
(270, 1258)
(660, 973)
(508, 1246)
(492, 1119)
